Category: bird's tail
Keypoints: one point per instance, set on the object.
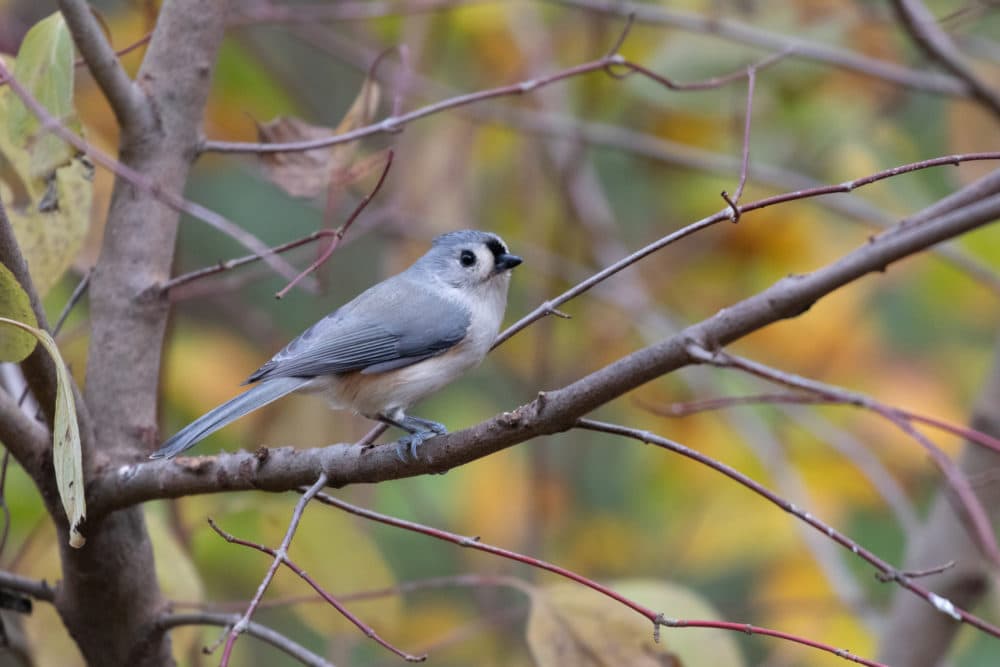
(210, 422)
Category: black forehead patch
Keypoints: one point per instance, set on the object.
(496, 248)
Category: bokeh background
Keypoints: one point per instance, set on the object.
(573, 177)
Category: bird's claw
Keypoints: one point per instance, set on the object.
(407, 446)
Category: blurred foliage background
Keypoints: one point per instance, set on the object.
(918, 336)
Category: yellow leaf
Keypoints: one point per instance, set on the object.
(15, 344)
(51, 228)
(574, 625)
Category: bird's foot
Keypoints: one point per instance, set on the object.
(408, 446)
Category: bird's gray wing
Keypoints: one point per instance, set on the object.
(392, 325)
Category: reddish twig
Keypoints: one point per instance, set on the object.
(658, 619)
(80, 62)
(178, 203)
(957, 482)
(941, 604)
(395, 123)
(344, 10)
(914, 574)
(847, 186)
(341, 231)
(852, 399)
(733, 201)
(281, 558)
(230, 264)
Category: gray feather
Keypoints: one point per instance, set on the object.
(412, 324)
(247, 402)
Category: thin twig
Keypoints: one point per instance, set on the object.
(914, 574)
(279, 557)
(341, 231)
(74, 298)
(648, 146)
(395, 123)
(957, 482)
(658, 619)
(734, 201)
(658, 14)
(252, 628)
(847, 186)
(941, 604)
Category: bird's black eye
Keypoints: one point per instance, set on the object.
(467, 258)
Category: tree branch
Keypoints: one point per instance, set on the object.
(252, 628)
(552, 412)
(38, 589)
(126, 99)
(914, 635)
(803, 48)
(935, 42)
(23, 437)
(114, 576)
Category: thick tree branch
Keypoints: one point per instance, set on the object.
(38, 589)
(114, 575)
(126, 100)
(552, 412)
(935, 42)
(26, 439)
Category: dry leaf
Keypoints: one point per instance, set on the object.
(310, 173)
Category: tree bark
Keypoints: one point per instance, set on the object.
(109, 597)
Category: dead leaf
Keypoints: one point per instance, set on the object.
(310, 173)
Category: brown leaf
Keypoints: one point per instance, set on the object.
(309, 173)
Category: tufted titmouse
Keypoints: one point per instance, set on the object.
(394, 344)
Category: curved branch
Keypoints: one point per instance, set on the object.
(252, 628)
(24, 437)
(935, 42)
(287, 468)
(803, 48)
(125, 98)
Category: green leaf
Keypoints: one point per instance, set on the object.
(14, 304)
(44, 66)
(49, 190)
(66, 455)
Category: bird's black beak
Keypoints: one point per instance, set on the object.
(506, 261)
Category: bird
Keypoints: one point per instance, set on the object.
(395, 343)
